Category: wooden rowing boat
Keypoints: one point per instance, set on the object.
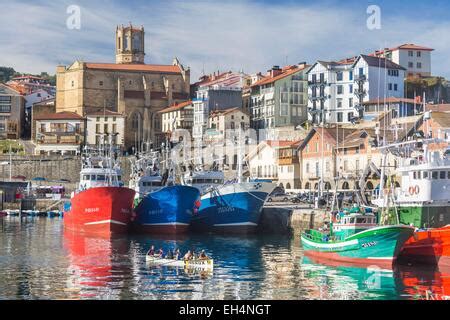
(207, 264)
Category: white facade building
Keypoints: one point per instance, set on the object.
(222, 92)
(414, 58)
(337, 90)
(101, 123)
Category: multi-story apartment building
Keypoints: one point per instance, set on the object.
(277, 161)
(12, 113)
(59, 133)
(414, 58)
(178, 116)
(337, 90)
(223, 120)
(280, 98)
(247, 90)
(101, 124)
(221, 92)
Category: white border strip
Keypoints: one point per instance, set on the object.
(106, 221)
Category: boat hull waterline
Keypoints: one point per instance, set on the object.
(100, 211)
(166, 211)
(378, 246)
(232, 208)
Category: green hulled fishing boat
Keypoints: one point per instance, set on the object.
(356, 238)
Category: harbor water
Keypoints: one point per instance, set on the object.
(39, 260)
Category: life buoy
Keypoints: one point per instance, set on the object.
(338, 217)
(416, 189)
(411, 190)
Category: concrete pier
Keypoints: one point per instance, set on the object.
(288, 219)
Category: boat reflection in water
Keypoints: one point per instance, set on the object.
(335, 281)
(425, 282)
(338, 281)
(93, 271)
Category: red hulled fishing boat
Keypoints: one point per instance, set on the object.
(101, 205)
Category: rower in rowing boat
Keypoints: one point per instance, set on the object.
(188, 255)
(177, 254)
(151, 252)
(202, 255)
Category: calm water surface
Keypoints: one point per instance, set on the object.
(38, 260)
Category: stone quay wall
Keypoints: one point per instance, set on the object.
(52, 168)
(291, 220)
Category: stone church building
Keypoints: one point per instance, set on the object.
(129, 86)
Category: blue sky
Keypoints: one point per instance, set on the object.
(251, 35)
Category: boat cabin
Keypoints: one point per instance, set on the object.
(100, 177)
(204, 180)
(349, 224)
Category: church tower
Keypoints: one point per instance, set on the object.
(129, 44)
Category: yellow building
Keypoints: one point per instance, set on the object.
(129, 86)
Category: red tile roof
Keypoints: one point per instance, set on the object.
(176, 107)
(287, 71)
(225, 111)
(134, 67)
(65, 115)
(278, 143)
(412, 46)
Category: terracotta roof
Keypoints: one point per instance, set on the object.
(284, 74)
(441, 118)
(389, 100)
(176, 107)
(225, 111)
(101, 112)
(65, 115)
(134, 67)
(380, 62)
(411, 46)
(278, 143)
(443, 107)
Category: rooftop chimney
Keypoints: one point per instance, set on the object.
(274, 71)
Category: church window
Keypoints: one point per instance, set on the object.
(100, 83)
(125, 42)
(130, 82)
(135, 121)
(120, 43)
(114, 119)
(136, 41)
(73, 83)
(98, 119)
(106, 118)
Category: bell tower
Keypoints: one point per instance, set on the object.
(129, 44)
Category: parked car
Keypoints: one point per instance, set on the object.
(279, 197)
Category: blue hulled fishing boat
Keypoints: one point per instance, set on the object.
(161, 206)
(232, 208)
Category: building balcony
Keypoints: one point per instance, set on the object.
(199, 99)
(317, 83)
(360, 78)
(288, 160)
(360, 92)
(59, 139)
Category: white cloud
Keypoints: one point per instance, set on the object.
(217, 35)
